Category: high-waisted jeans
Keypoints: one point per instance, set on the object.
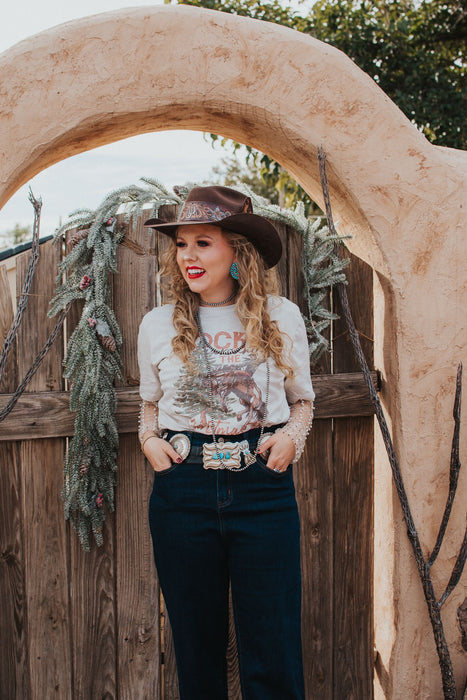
(210, 527)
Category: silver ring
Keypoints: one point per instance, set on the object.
(276, 469)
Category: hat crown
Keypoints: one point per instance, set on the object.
(211, 204)
(231, 210)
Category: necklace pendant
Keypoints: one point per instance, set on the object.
(248, 457)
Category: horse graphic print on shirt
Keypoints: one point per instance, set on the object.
(234, 391)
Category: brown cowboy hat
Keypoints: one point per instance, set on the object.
(232, 210)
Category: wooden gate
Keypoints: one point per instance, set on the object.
(88, 626)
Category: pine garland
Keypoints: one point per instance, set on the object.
(92, 361)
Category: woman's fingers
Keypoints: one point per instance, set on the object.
(267, 444)
(160, 454)
(282, 451)
(173, 454)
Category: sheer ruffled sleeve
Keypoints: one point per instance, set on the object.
(298, 426)
(148, 420)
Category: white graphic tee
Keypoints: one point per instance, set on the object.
(238, 381)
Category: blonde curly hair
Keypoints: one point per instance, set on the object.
(255, 282)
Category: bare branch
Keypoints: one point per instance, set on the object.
(35, 365)
(456, 572)
(33, 260)
(454, 467)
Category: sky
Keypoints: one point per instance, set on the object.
(173, 157)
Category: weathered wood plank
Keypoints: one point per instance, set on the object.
(138, 611)
(14, 664)
(317, 507)
(137, 599)
(43, 524)
(92, 609)
(360, 293)
(353, 570)
(36, 326)
(353, 508)
(343, 395)
(48, 626)
(313, 482)
(47, 414)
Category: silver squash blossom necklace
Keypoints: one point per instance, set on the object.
(205, 345)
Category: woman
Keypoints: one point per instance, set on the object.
(226, 406)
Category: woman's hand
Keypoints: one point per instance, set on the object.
(160, 453)
(282, 451)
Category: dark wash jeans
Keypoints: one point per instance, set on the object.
(212, 526)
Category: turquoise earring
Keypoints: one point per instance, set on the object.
(234, 270)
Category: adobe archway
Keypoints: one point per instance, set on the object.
(134, 71)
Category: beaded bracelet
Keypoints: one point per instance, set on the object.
(148, 437)
(148, 418)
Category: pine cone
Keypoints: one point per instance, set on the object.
(108, 342)
(76, 237)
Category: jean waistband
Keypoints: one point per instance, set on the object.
(197, 440)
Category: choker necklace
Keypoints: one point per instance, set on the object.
(217, 303)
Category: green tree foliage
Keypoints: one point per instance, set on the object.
(18, 234)
(234, 173)
(414, 50)
(262, 175)
(274, 11)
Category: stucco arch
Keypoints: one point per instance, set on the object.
(97, 80)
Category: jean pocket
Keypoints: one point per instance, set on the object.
(276, 475)
(168, 470)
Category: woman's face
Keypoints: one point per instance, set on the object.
(204, 257)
